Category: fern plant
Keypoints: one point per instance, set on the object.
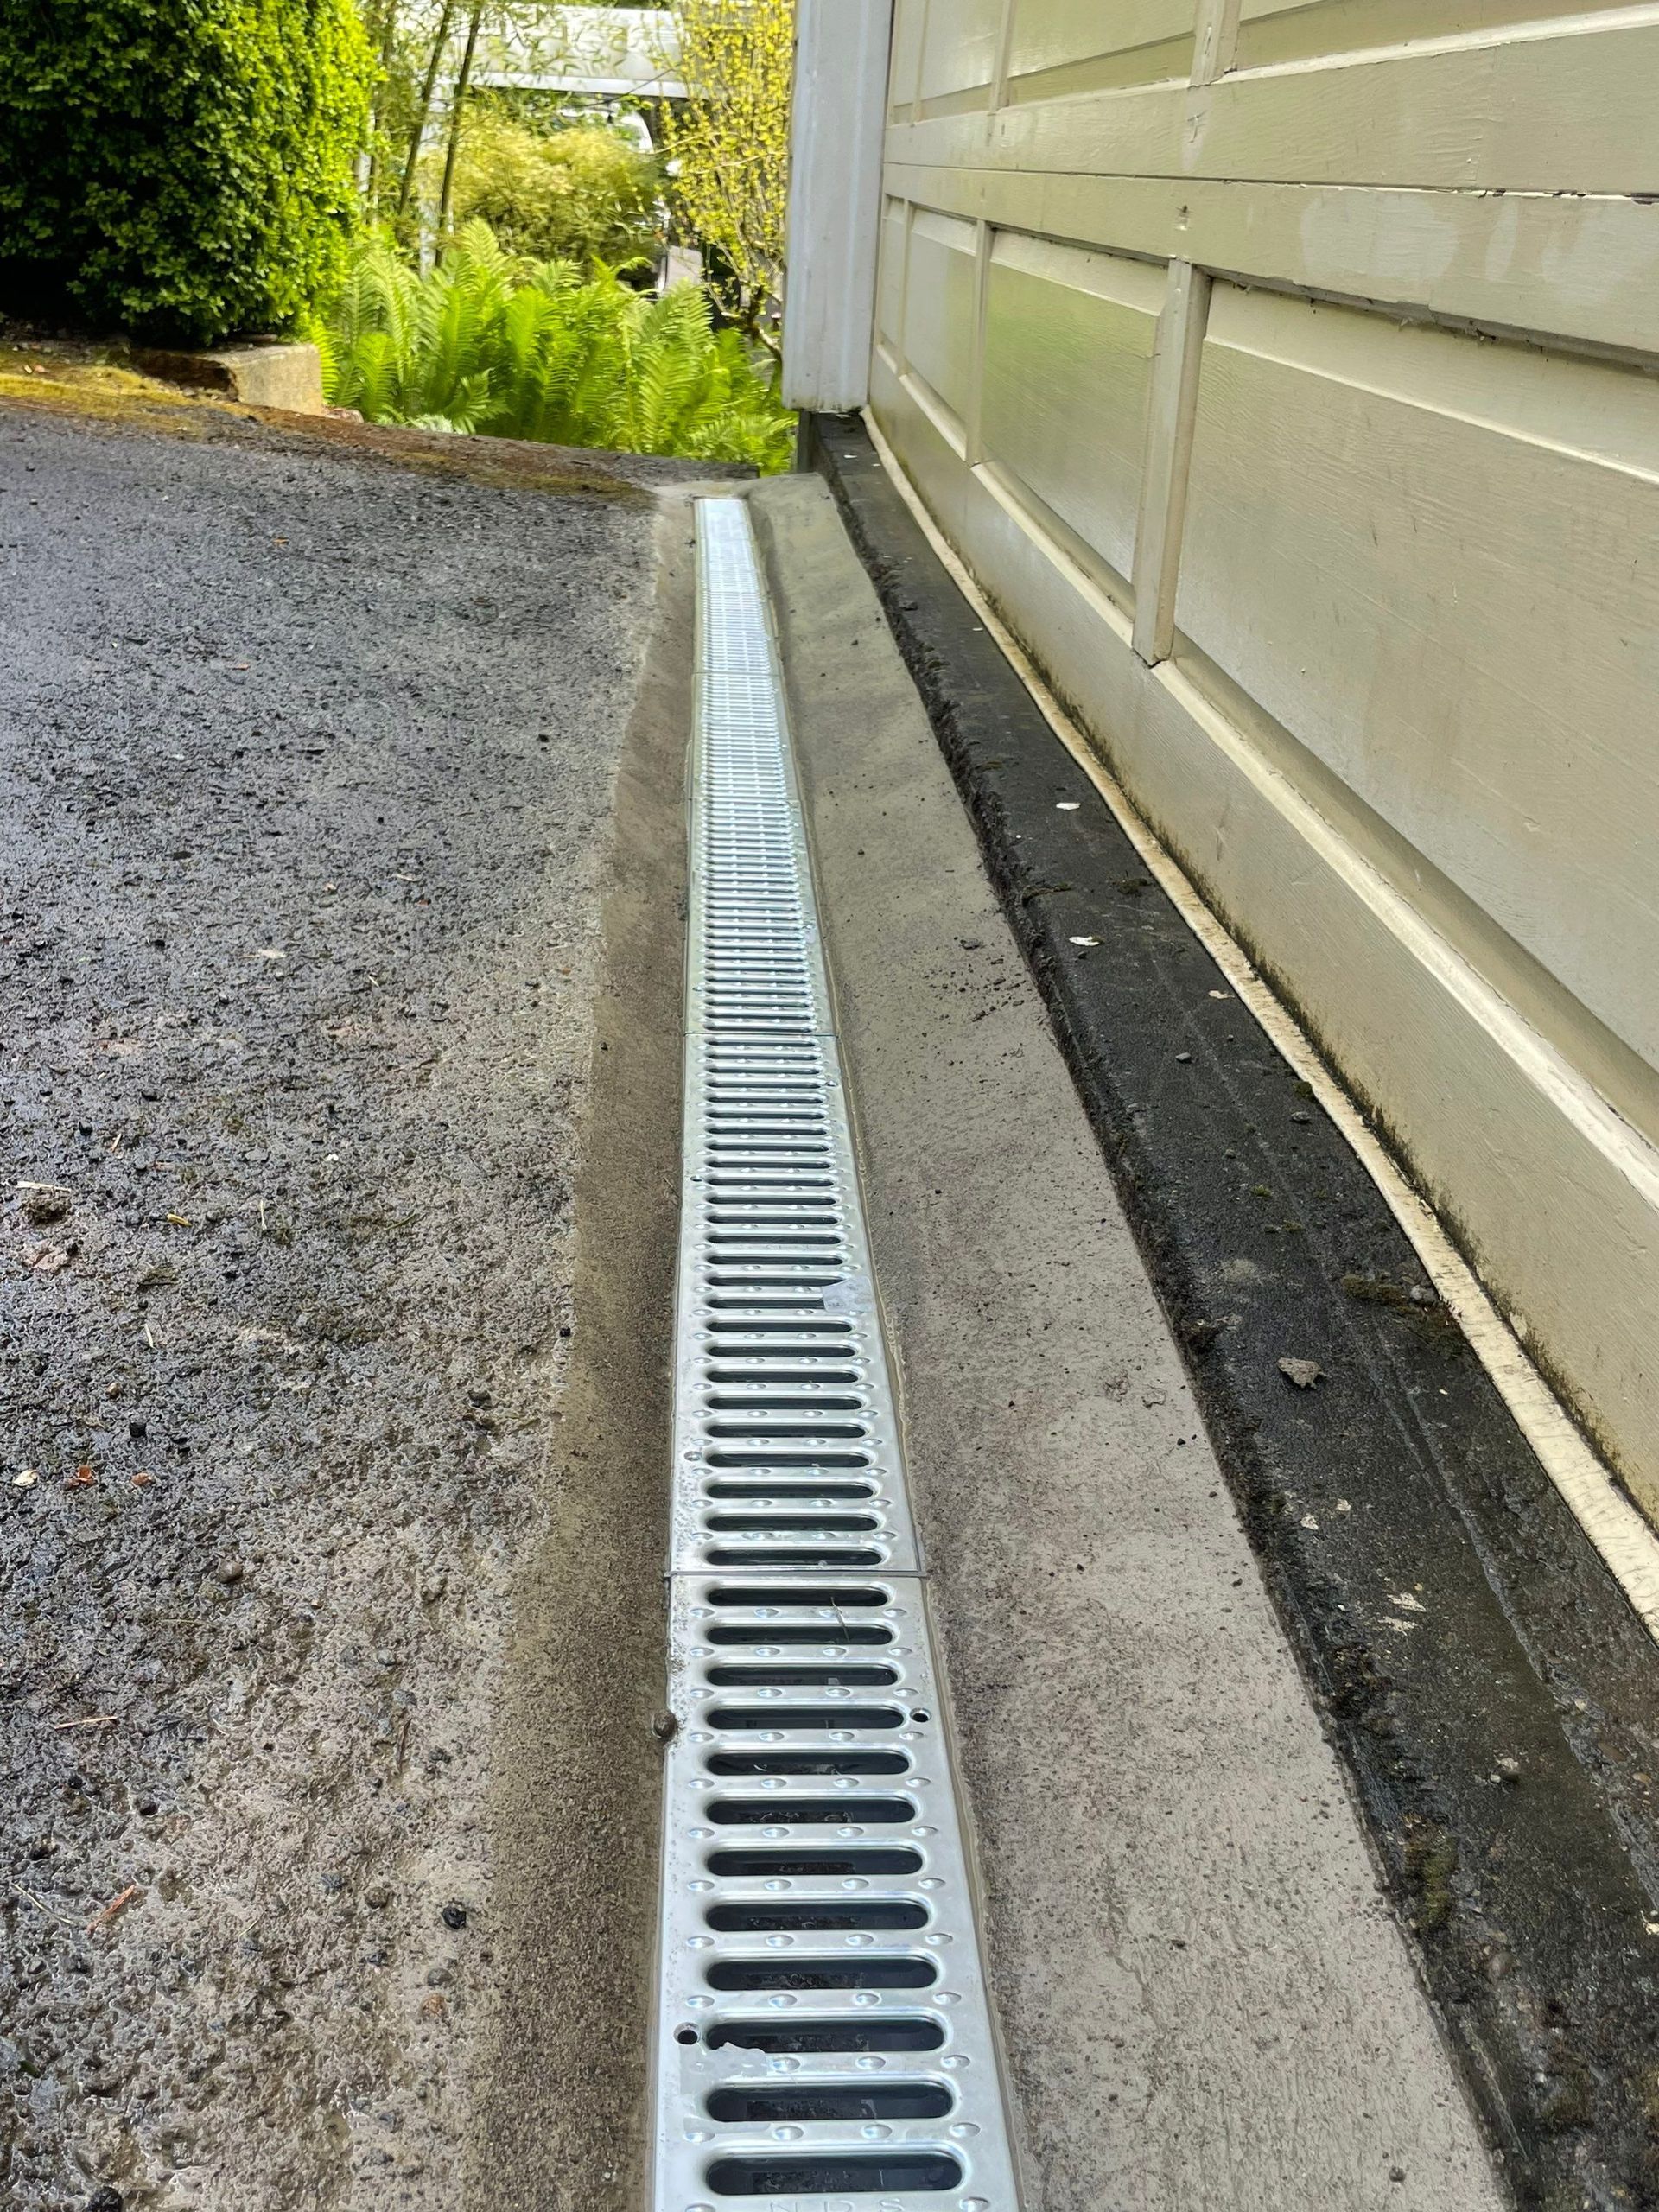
(492, 343)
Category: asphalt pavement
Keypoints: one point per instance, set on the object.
(312, 744)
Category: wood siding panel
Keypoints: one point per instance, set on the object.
(903, 67)
(1419, 555)
(1556, 107)
(890, 277)
(1047, 37)
(1275, 31)
(1379, 650)
(959, 47)
(938, 341)
(1532, 262)
(1068, 358)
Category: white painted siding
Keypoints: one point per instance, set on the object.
(1311, 349)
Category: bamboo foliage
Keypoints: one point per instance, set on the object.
(730, 143)
(457, 113)
(491, 343)
(423, 109)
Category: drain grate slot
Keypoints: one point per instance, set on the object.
(733, 1676)
(823, 2033)
(799, 1523)
(838, 1555)
(760, 1597)
(808, 1763)
(843, 1862)
(807, 1327)
(812, 1812)
(798, 1372)
(823, 1973)
(732, 1720)
(788, 1433)
(825, 2038)
(783, 1460)
(797, 1632)
(763, 2176)
(751, 1305)
(856, 2100)
(805, 1494)
(779, 1919)
(719, 1401)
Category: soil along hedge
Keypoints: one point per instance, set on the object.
(182, 169)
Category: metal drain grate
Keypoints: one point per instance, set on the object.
(824, 2034)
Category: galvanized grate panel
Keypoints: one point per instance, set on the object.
(786, 1452)
(824, 2034)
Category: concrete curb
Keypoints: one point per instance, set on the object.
(1191, 1959)
(267, 373)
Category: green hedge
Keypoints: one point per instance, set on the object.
(182, 169)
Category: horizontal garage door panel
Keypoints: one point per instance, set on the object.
(890, 283)
(1555, 107)
(1069, 341)
(1545, 107)
(905, 64)
(1419, 553)
(1272, 31)
(959, 47)
(1350, 575)
(1060, 46)
(939, 337)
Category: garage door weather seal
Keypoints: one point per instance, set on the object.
(824, 2038)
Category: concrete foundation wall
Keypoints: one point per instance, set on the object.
(1285, 375)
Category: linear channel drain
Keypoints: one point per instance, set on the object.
(823, 2032)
